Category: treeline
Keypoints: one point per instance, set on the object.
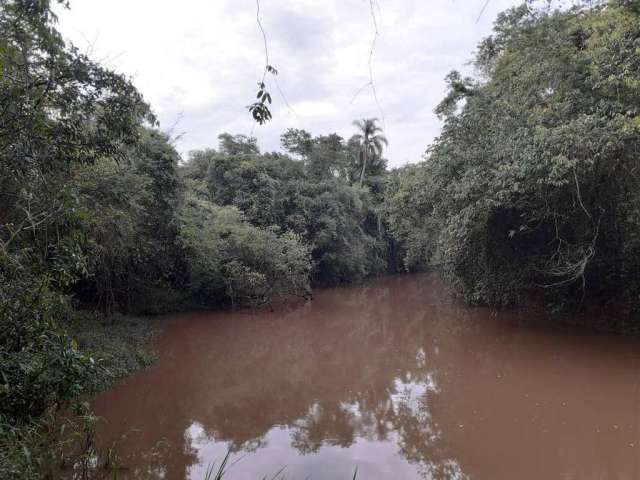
(71, 208)
(99, 214)
(532, 185)
(281, 224)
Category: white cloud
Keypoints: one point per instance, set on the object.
(200, 60)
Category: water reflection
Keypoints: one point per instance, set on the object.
(393, 377)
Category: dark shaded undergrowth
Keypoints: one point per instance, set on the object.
(60, 442)
(531, 186)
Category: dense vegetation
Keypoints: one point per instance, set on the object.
(532, 184)
(98, 216)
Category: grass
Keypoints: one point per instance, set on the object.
(120, 344)
(61, 443)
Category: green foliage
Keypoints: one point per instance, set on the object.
(297, 142)
(533, 181)
(128, 214)
(409, 215)
(39, 365)
(52, 449)
(75, 211)
(310, 197)
(371, 142)
(59, 109)
(64, 114)
(119, 345)
(259, 109)
(55, 446)
(229, 259)
(237, 144)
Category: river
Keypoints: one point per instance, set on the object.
(393, 377)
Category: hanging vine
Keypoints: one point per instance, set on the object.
(260, 108)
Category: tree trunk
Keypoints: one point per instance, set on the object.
(364, 165)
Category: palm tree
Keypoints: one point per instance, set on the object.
(371, 141)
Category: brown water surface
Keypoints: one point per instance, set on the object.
(392, 376)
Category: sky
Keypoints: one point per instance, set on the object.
(198, 62)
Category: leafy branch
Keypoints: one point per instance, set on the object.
(260, 109)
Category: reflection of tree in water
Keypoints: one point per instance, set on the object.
(357, 363)
(323, 425)
(401, 415)
(450, 388)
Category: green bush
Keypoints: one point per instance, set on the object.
(40, 366)
(339, 222)
(231, 260)
(532, 182)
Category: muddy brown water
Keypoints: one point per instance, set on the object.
(393, 377)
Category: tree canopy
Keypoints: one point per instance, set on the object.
(532, 180)
(531, 186)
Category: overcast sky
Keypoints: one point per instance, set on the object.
(198, 62)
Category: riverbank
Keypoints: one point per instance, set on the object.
(62, 440)
(121, 345)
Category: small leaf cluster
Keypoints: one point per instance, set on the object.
(260, 109)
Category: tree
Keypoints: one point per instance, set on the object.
(324, 156)
(238, 144)
(371, 141)
(297, 141)
(312, 197)
(231, 260)
(60, 114)
(129, 222)
(533, 180)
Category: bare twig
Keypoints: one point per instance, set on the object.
(371, 83)
(284, 98)
(172, 129)
(359, 91)
(575, 176)
(264, 39)
(484, 7)
(371, 51)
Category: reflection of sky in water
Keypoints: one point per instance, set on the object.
(411, 393)
(384, 377)
(375, 456)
